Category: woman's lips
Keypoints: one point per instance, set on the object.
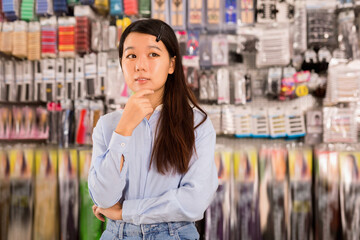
(142, 80)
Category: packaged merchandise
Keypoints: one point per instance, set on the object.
(4, 193)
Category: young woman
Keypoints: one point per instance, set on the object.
(153, 172)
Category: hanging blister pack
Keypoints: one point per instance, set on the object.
(38, 82)
(214, 113)
(246, 194)
(49, 78)
(20, 40)
(347, 35)
(260, 123)
(17, 122)
(227, 119)
(2, 81)
(131, 7)
(273, 193)
(242, 92)
(160, 10)
(68, 193)
(34, 41)
(46, 212)
(220, 51)
(277, 122)
(299, 42)
(48, 37)
(69, 78)
(22, 193)
(350, 193)
(205, 51)
(80, 90)
(116, 82)
(274, 46)
(295, 123)
(191, 76)
(266, 11)
(11, 9)
(145, 8)
(314, 127)
(10, 88)
(327, 205)
(116, 8)
(212, 87)
(300, 172)
(112, 38)
(44, 8)
(247, 12)
(243, 122)
(28, 92)
(231, 15)
(339, 125)
(5, 193)
(287, 89)
(101, 86)
(178, 14)
(196, 14)
(274, 81)
(213, 15)
(223, 85)
(66, 34)
(105, 24)
(60, 78)
(19, 80)
(96, 36)
(90, 69)
(6, 37)
(285, 11)
(203, 86)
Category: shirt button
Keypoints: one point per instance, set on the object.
(122, 144)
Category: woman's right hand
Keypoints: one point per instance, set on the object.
(136, 109)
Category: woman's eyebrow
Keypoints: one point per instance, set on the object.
(153, 46)
(128, 48)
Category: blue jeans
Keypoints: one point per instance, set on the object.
(160, 231)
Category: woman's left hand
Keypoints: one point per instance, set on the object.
(114, 212)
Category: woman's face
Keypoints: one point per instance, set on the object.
(146, 63)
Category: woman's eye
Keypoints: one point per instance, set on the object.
(154, 55)
(131, 56)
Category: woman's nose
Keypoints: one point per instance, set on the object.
(141, 64)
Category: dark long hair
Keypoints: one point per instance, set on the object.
(175, 136)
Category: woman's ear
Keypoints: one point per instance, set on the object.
(172, 65)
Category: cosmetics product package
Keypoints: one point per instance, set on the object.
(327, 203)
(79, 88)
(160, 10)
(243, 121)
(4, 193)
(68, 193)
(22, 193)
(28, 91)
(196, 13)
(178, 14)
(10, 87)
(46, 207)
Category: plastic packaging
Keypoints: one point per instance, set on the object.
(48, 37)
(223, 84)
(196, 14)
(213, 15)
(20, 40)
(277, 122)
(260, 123)
(4, 192)
(34, 41)
(243, 121)
(227, 119)
(160, 10)
(178, 14)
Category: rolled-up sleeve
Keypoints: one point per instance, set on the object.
(106, 182)
(189, 201)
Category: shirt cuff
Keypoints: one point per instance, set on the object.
(130, 211)
(118, 143)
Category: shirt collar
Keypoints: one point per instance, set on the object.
(158, 108)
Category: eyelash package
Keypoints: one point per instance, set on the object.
(247, 12)
(105, 37)
(49, 78)
(273, 193)
(60, 78)
(20, 39)
(339, 125)
(160, 10)
(274, 46)
(205, 51)
(48, 37)
(239, 86)
(243, 122)
(80, 90)
(10, 88)
(28, 81)
(68, 192)
(22, 193)
(69, 78)
(220, 50)
(67, 37)
(196, 14)
(300, 176)
(46, 213)
(19, 81)
(38, 82)
(266, 11)
(274, 81)
(90, 62)
(349, 193)
(101, 86)
(246, 194)
(277, 122)
(34, 41)
(112, 38)
(213, 15)
(223, 84)
(295, 123)
(314, 127)
(327, 205)
(260, 123)
(178, 14)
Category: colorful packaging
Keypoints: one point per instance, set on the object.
(4, 193)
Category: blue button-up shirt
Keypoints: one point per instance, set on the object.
(148, 196)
